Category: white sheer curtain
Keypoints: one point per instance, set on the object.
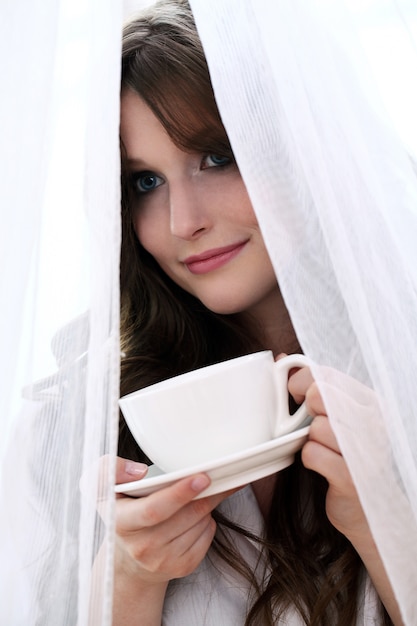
(326, 156)
(327, 166)
(59, 169)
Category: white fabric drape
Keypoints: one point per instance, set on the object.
(328, 166)
(59, 169)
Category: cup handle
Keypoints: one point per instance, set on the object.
(285, 422)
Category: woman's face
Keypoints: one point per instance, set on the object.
(193, 215)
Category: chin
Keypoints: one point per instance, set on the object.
(223, 307)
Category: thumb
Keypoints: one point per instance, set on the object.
(128, 471)
(96, 477)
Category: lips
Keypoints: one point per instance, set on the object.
(213, 259)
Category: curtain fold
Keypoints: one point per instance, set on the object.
(328, 157)
(60, 240)
(325, 137)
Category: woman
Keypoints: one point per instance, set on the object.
(197, 286)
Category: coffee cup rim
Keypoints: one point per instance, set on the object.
(199, 373)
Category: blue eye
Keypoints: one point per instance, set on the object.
(143, 182)
(216, 160)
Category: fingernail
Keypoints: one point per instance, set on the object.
(135, 469)
(200, 482)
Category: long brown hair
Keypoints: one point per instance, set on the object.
(166, 331)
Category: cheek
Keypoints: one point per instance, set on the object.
(243, 211)
(151, 222)
(249, 214)
(148, 232)
(238, 201)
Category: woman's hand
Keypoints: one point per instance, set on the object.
(158, 537)
(165, 535)
(322, 454)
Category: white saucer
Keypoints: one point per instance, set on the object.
(228, 472)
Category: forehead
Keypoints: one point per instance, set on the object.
(191, 120)
(139, 127)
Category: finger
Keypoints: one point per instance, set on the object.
(190, 516)
(299, 383)
(175, 557)
(314, 401)
(199, 541)
(99, 473)
(188, 547)
(198, 537)
(157, 510)
(322, 432)
(328, 463)
(162, 505)
(127, 470)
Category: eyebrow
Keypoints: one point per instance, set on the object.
(135, 163)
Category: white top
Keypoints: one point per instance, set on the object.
(215, 595)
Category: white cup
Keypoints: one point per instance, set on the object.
(214, 411)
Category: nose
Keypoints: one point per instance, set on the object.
(189, 215)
